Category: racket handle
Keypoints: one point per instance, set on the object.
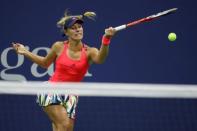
(118, 28)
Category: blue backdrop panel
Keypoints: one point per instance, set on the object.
(140, 54)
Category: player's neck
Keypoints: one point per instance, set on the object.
(75, 45)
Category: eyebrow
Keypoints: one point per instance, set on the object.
(76, 25)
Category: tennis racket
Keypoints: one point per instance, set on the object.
(146, 19)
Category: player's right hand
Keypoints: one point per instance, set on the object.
(19, 48)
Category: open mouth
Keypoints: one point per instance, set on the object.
(78, 34)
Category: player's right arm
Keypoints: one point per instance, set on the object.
(43, 61)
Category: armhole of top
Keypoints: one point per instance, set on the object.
(85, 46)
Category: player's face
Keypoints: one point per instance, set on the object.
(75, 32)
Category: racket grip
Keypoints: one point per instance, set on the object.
(118, 28)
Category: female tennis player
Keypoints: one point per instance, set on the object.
(72, 59)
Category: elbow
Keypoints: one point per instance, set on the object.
(45, 65)
(100, 61)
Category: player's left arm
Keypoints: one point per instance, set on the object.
(98, 56)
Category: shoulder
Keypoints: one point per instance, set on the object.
(57, 47)
(90, 49)
(91, 52)
(58, 44)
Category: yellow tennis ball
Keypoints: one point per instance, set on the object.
(172, 37)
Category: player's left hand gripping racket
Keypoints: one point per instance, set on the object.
(146, 19)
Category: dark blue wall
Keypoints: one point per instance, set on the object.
(141, 54)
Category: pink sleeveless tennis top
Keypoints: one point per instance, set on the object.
(69, 70)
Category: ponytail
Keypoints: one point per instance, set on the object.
(61, 22)
(90, 15)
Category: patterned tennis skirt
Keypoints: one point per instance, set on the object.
(68, 101)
